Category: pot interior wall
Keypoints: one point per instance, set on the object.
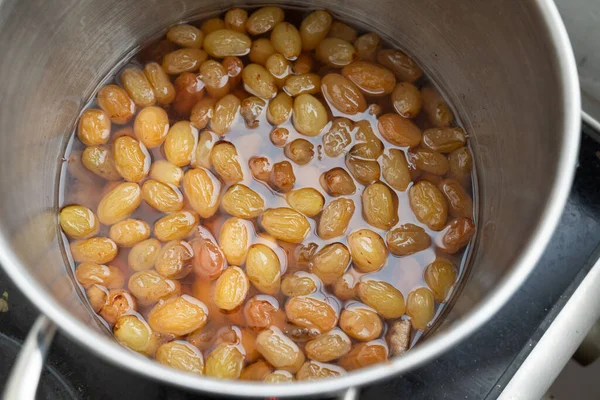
(489, 57)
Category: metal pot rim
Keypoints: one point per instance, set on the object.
(111, 351)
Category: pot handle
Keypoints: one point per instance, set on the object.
(25, 375)
(26, 372)
(349, 394)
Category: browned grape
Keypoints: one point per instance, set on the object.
(459, 233)
(428, 204)
(337, 182)
(407, 239)
(460, 203)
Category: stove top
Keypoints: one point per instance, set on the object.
(476, 369)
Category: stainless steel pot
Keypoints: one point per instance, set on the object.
(506, 65)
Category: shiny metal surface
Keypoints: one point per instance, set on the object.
(507, 66)
(555, 348)
(23, 381)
